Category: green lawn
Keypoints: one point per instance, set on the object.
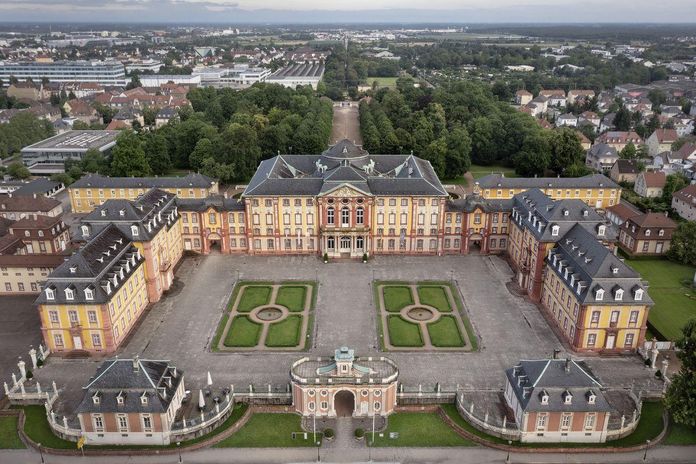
(680, 435)
(673, 306)
(434, 296)
(418, 429)
(285, 333)
(403, 333)
(37, 428)
(382, 81)
(269, 430)
(461, 180)
(292, 297)
(253, 297)
(445, 333)
(396, 297)
(9, 439)
(218, 332)
(243, 332)
(480, 171)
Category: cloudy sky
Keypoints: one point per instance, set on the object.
(308, 11)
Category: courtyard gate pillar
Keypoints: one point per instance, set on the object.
(32, 355)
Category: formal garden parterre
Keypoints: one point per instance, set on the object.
(426, 315)
(267, 316)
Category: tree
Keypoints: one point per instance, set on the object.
(457, 158)
(566, 150)
(673, 183)
(535, 156)
(622, 120)
(17, 170)
(63, 178)
(157, 154)
(93, 161)
(134, 82)
(683, 246)
(628, 152)
(680, 398)
(128, 156)
(203, 151)
(149, 115)
(657, 97)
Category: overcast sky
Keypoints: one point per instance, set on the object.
(304, 11)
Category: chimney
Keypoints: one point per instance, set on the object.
(567, 365)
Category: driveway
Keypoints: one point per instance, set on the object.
(346, 124)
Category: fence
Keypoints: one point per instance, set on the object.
(485, 416)
(26, 391)
(424, 394)
(197, 426)
(264, 394)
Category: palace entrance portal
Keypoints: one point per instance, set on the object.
(344, 403)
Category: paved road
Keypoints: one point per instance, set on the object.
(346, 124)
(19, 329)
(181, 326)
(478, 455)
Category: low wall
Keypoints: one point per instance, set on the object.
(500, 432)
(416, 399)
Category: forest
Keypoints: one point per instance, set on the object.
(463, 122)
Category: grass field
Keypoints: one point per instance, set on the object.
(252, 297)
(418, 429)
(680, 435)
(243, 333)
(675, 304)
(9, 439)
(480, 171)
(434, 296)
(269, 430)
(292, 297)
(285, 333)
(444, 333)
(403, 333)
(396, 298)
(382, 81)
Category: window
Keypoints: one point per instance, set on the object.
(541, 421)
(345, 216)
(72, 317)
(53, 316)
(555, 230)
(147, 423)
(599, 294)
(633, 318)
(96, 340)
(330, 215)
(98, 423)
(647, 232)
(122, 422)
(565, 420)
(89, 294)
(595, 317)
(618, 296)
(360, 243)
(331, 243)
(591, 340)
(590, 421)
(92, 317)
(58, 340)
(360, 215)
(628, 341)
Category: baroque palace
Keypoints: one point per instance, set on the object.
(348, 203)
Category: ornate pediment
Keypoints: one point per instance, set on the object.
(344, 190)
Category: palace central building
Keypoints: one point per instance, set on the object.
(345, 203)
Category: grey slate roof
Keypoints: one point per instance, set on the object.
(98, 266)
(473, 201)
(547, 213)
(590, 267)
(217, 202)
(40, 186)
(344, 164)
(531, 380)
(602, 150)
(131, 378)
(150, 212)
(493, 181)
(191, 180)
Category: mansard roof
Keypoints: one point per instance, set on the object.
(345, 164)
(493, 181)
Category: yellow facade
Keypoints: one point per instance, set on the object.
(85, 199)
(161, 254)
(95, 327)
(594, 197)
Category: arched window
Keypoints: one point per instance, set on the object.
(360, 243)
(89, 294)
(134, 230)
(85, 230)
(49, 294)
(330, 215)
(360, 215)
(330, 243)
(69, 294)
(345, 216)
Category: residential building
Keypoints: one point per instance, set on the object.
(556, 97)
(624, 170)
(556, 401)
(94, 189)
(596, 301)
(567, 119)
(91, 302)
(131, 402)
(618, 214)
(344, 385)
(17, 207)
(579, 95)
(102, 72)
(522, 97)
(647, 234)
(49, 155)
(26, 274)
(661, 140)
(165, 115)
(650, 183)
(27, 91)
(40, 186)
(151, 223)
(596, 190)
(684, 202)
(476, 225)
(601, 157)
(537, 224)
(42, 234)
(619, 139)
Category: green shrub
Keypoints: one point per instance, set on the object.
(30, 374)
(329, 433)
(359, 433)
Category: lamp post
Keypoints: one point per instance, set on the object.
(645, 455)
(178, 444)
(38, 445)
(507, 459)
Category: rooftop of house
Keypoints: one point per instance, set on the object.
(493, 181)
(665, 135)
(660, 220)
(191, 180)
(687, 194)
(625, 166)
(27, 203)
(654, 179)
(76, 140)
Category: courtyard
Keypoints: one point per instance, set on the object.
(183, 325)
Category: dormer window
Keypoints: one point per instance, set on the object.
(120, 398)
(618, 296)
(566, 212)
(69, 294)
(143, 399)
(638, 295)
(89, 294)
(661, 232)
(555, 230)
(103, 213)
(85, 231)
(122, 212)
(567, 398)
(544, 397)
(601, 230)
(96, 399)
(647, 232)
(134, 230)
(73, 269)
(591, 398)
(599, 294)
(614, 270)
(50, 294)
(585, 213)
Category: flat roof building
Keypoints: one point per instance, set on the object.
(298, 74)
(102, 72)
(68, 145)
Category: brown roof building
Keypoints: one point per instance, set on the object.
(20, 206)
(646, 234)
(684, 202)
(25, 274)
(42, 234)
(650, 184)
